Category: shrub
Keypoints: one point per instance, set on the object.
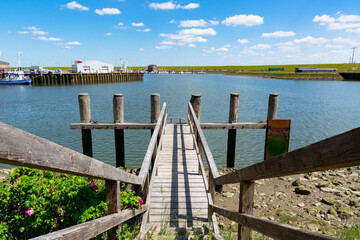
(36, 202)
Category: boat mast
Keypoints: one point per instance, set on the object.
(19, 61)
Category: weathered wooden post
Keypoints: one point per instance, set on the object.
(85, 117)
(155, 108)
(246, 201)
(114, 198)
(231, 144)
(273, 106)
(196, 104)
(118, 109)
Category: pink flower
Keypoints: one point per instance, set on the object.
(42, 171)
(141, 201)
(59, 212)
(94, 187)
(29, 212)
(17, 176)
(52, 191)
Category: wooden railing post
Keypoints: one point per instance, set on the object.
(231, 144)
(85, 117)
(118, 109)
(273, 106)
(196, 104)
(114, 198)
(246, 200)
(155, 108)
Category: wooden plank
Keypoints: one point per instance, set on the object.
(179, 189)
(246, 201)
(85, 117)
(179, 211)
(114, 198)
(93, 228)
(179, 184)
(240, 125)
(111, 126)
(176, 194)
(270, 228)
(163, 205)
(20, 148)
(118, 111)
(180, 199)
(179, 181)
(339, 151)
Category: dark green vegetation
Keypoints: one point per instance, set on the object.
(36, 202)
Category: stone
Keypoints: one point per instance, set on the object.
(271, 218)
(301, 205)
(302, 191)
(332, 212)
(298, 182)
(221, 200)
(345, 213)
(329, 201)
(354, 175)
(228, 194)
(330, 190)
(317, 204)
(323, 184)
(355, 188)
(313, 227)
(331, 217)
(357, 193)
(221, 225)
(353, 203)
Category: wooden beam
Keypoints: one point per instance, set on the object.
(231, 143)
(118, 111)
(21, 148)
(93, 228)
(242, 125)
(246, 202)
(112, 126)
(339, 151)
(270, 228)
(85, 117)
(113, 196)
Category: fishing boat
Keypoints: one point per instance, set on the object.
(16, 77)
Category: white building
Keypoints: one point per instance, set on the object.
(92, 67)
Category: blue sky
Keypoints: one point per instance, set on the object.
(228, 32)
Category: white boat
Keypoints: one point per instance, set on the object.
(16, 77)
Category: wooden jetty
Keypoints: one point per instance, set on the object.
(78, 78)
(172, 180)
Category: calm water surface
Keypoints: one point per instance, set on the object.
(318, 109)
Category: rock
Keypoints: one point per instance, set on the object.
(228, 194)
(354, 175)
(301, 205)
(235, 189)
(271, 218)
(313, 227)
(302, 191)
(357, 193)
(331, 217)
(298, 182)
(256, 206)
(329, 201)
(317, 204)
(282, 178)
(323, 184)
(221, 225)
(330, 190)
(345, 213)
(355, 188)
(332, 212)
(221, 200)
(353, 203)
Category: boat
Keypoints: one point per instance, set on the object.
(350, 75)
(16, 77)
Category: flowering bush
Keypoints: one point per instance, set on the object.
(36, 202)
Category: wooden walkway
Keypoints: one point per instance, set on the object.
(178, 196)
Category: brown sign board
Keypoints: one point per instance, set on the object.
(277, 137)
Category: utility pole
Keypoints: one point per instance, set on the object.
(353, 54)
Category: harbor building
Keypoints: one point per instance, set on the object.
(92, 66)
(314, 69)
(4, 65)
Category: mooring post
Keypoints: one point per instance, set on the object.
(273, 106)
(246, 201)
(155, 108)
(85, 117)
(231, 144)
(196, 104)
(113, 196)
(118, 109)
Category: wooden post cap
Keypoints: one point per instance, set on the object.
(196, 95)
(274, 94)
(155, 94)
(83, 94)
(234, 94)
(118, 95)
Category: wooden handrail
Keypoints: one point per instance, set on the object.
(21, 148)
(342, 150)
(243, 125)
(270, 228)
(152, 146)
(202, 139)
(112, 125)
(93, 228)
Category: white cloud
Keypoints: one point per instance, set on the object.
(271, 52)
(166, 42)
(108, 11)
(248, 51)
(183, 39)
(197, 31)
(193, 23)
(287, 48)
(192, 45)
(216, 50)
(23, 32)
(189, 6)
(38, 32)
(311, 40)
(170, 6)
(247, 20)
(356, 30)
(31, 28)
(147, 30)
(67, 47)
(323, 19)
(163, 47)
(108, 34)
(120, 24)
(243, 41)
(48, 39)
(260, 46)
(163, 6)
(349, 18)
(278, 34)
(73, 43)
(172, 21)
(140, 24)
(75, 6)
(141, 49)
(334, 46)
(213, 22)
(227, 46)
(346, 41)
(343, 26)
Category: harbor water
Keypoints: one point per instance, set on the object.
(317, 109)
